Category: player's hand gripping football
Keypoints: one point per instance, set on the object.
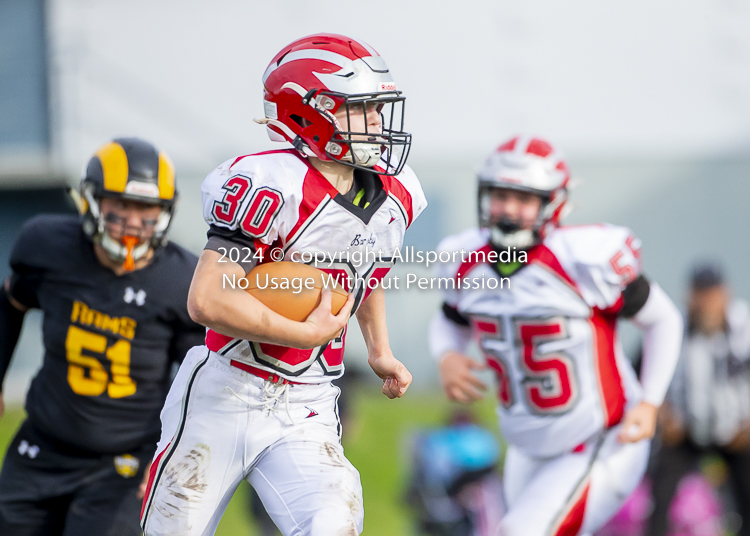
(322, 325)
(396, 378)
(639, 423)
(459, 381)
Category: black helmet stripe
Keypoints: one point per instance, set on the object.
(94, 170)
(143, 159)
(126, 160)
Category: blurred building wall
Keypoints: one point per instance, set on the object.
(25, 124)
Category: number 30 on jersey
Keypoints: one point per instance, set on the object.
(263, 207)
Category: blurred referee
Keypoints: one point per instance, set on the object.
(113, 291)
(708, 404)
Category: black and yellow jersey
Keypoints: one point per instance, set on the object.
(109, 341)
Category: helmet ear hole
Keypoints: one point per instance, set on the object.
(301, 121)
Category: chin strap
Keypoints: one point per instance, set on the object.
(127, 252)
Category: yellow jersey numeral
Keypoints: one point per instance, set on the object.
(97, 380)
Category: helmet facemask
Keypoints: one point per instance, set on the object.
(363, 148)
(507, 232)
(131, 244)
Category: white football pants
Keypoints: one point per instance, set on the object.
(573, 494)
(221, 425)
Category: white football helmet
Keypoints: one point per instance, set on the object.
(528, 164)
(311, 79)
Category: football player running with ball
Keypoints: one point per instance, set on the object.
(256, 402)
(114, 292)
(577, 422)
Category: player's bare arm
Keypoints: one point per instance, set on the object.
(236, 313)
(371, 317)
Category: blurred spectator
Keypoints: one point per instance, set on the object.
(455, 489)
(708, 405)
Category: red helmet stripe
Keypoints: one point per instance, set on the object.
(539, 147)
(508, 145)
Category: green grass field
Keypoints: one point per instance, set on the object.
(375, 441)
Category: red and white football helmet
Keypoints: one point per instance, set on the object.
(527, 164)
(311, 79)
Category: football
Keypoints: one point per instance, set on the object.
(293, 289)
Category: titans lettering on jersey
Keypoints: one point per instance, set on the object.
(550, 336)
(276, 200)
(106, 357)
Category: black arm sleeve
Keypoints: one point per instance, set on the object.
(452, 314)
(11, 320)
(30, 259)
(227, 239)
(634, 296)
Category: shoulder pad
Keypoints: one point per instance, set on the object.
(256, 194)
(407, 191)
(601, 259)
(458, 247)
(45, 239)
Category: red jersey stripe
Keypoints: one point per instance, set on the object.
(541, 254)
(315, 188)
(473, 259)
(394, 187)
(151, 475)
(605, 363)
(603, 325)
(572, 520)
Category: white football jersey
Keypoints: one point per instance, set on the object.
(550, 334)
(284, 205)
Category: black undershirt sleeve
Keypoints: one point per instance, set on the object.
(11, 321)
(224, 241)
(634, 296)
(452, 314)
